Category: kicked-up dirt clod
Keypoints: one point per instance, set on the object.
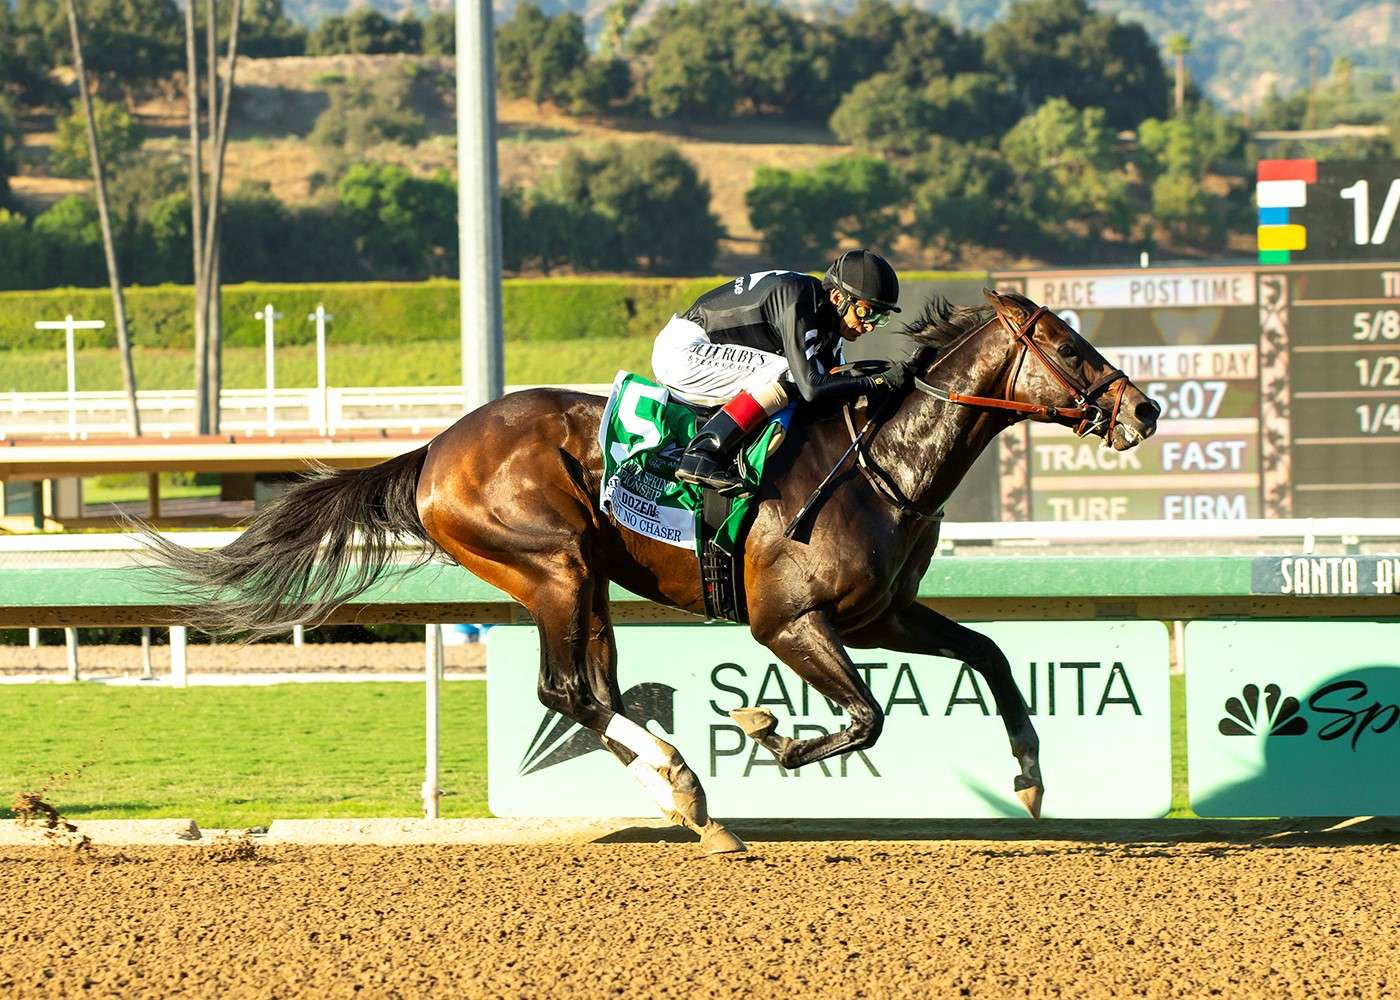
(854, 919)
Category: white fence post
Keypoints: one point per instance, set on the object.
(146, 673)
(68, 325)
(322, 386)
(432, 676)
(298, 636)
(269, 317)
(179, 656)
(34, 638)
(70, 640)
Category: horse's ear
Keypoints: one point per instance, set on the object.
(1000, 302)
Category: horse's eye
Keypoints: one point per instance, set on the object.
(1068, 351)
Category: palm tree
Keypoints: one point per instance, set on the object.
(1178, 45)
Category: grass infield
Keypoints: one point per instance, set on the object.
(242, 756)
(239, 756)
(595, 359)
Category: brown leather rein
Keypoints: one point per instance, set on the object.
(1085, 416)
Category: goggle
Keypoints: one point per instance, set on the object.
(869, 315)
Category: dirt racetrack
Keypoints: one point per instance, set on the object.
(1306, 916)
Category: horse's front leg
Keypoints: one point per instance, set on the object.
(811, 647)
(918, 629)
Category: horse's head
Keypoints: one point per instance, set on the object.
(1051, 366)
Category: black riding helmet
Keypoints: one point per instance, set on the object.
(861, 274)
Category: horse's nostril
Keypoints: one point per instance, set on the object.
(1147, 411)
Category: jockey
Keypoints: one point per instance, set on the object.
(756, 343)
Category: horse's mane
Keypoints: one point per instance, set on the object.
(941, 324)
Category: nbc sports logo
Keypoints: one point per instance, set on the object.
(1277, 716)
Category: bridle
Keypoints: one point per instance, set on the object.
(1086, 416)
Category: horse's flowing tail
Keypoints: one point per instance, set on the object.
(320, 544)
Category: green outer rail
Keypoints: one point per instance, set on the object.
(978, 587)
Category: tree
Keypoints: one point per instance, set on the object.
(515, 42)
(268, 32)
(734, 57)
(366, 112)
(1188, 145)
(71, 238)
(886, 114)
(365, 31)
(600, 84)
(99, 179)
(963, 194)
(21, 261)
(9, 145)
(652, 200)
(1068, 169)
(882, 113)
(792, 209)
(404, 224)
(26, 58)
(118, 136)
(126, 43)
(915, 45)
(688, 77)
(204, 229)
(558, 54)
(1180, 203)
(440, 34)
(1178, 45)
(1061, 48)
(804, 214)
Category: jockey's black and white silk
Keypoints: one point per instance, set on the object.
(751, 332)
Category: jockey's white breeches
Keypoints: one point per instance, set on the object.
(706, 374)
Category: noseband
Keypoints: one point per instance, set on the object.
(1086, 416)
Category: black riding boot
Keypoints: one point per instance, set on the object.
(709, 458)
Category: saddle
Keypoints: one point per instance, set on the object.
(643, 433)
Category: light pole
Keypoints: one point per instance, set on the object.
(68, 325)
(478, 205)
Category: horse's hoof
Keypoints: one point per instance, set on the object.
(1031, 797)
(757, 722)
(716, 839)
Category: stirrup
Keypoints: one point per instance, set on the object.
(724, 481)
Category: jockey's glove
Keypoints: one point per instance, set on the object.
(900, 374)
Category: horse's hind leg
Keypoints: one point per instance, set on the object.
(918, 629)
(679, 792)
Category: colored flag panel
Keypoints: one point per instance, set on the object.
(1282, 194)
(1288, 170)
(1283, 238)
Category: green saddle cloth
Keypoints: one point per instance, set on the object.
(643, 435)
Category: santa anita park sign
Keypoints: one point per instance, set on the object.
(1098, 693)
(1298, 718)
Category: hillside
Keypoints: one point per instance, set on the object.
(1240, 48)
(277, 102)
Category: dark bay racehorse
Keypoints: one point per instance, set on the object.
(511, 490)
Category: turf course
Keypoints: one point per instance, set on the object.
(242, 756)
(595, 359)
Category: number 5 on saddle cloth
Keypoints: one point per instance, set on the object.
(643, 434)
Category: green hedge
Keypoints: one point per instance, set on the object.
(536, 309)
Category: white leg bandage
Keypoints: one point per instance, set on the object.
(657, 787)
(646, 746)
